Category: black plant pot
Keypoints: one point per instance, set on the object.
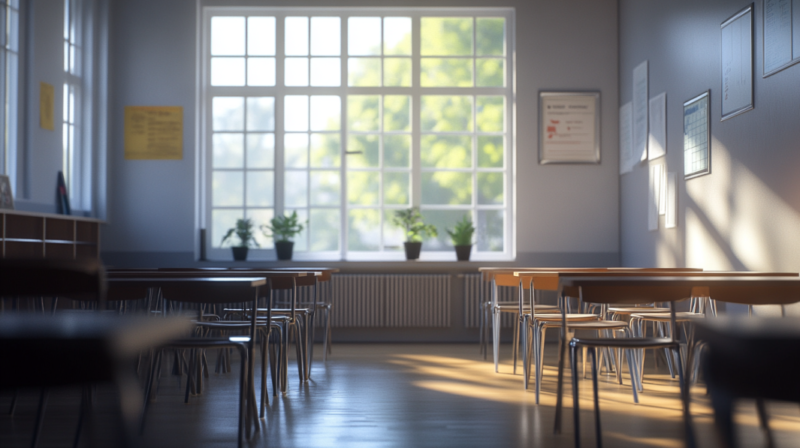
(239, 253)
(462, 252)
(284, 249)
(412, 250)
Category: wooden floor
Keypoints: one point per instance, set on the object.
(401, 395)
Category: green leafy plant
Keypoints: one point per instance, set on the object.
(462, 233)
(244, 230)
(411, 220)
(283, 228)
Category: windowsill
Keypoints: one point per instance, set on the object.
(413, 266)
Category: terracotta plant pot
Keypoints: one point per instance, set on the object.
(284, 249)
(462, 252)
(239, 253)
(412, 250)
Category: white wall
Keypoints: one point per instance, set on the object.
(745, 215)
(565, 214)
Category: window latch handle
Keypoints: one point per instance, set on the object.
(353, 152)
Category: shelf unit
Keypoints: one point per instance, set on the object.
(49, 236)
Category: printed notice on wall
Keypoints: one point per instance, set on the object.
(626, 159)
(569, 127)
(640, 111)
(46, 106)
(737, 64)
(153, 132)
(777, 34)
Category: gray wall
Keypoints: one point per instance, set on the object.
(565, 214)
(746, 213)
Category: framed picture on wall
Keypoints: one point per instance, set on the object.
(737, 63)
(569, 127)
(696, 136)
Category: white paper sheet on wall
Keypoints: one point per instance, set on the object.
(671, 218)
(662, 192)
(626, 160)
(657, 135)
(653, 196)
(640, 96)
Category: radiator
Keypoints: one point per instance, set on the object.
(385, 300)
(473, 284)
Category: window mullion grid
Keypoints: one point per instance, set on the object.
(381, 212)
(344, 209)
(416, 103)
(280, 134)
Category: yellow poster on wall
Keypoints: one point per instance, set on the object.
(153, 132)
(46, 106)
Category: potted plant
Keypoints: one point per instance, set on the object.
(411, 220)
(283, 229)
(243, 230)
(461, 236)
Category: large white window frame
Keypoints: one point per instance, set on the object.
(206, 93)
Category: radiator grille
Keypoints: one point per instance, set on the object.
(473, 284)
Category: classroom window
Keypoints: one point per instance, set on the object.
(346, 116)
(71, 96)
(9, 69)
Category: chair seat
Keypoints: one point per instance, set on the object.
(664, 317)
(624, 342)
(636, 309)
(570, 317)
(599, 325)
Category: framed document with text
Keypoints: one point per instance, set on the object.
(696, 133)
(737, 63)
(569, 127)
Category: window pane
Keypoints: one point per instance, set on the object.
(260, 188)
(490, 188)
(397, 72)
(221, 221)
(325, 150)
(228, 113)
(491, 37)
(363, 188)
(261, 217)
(261, 113)
(393, 236)
(326, 113)
(435, 72)
(325, 188)
(490, 230)
(323, 229)
(397, 151)
(396, 113)
(260, 150)
(397, 36)
(446, 113)
(363, 112)
(228, 151)
(396, 188)
(363, 229)
(446, 151)
(326, 36)
(368, 146)
(490, 112)
(261, 71)
(227, 36)
(446, 187)
(295, 117)
(261, 36)
(227, 189)
(296, 72)
(364, 72)
(364, 36)
(490, 151)
(443, 220)
(295, 189)
(491, 72)
(295, 151)
(446, 36)
(227, 71)
(326, 72)
(296, 36)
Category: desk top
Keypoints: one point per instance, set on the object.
(185, 289)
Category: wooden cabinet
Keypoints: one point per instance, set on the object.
(42, 235)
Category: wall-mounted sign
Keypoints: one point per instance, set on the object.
(569, 127)
(46, 106)
(153, 132)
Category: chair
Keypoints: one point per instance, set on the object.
(629, 344)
